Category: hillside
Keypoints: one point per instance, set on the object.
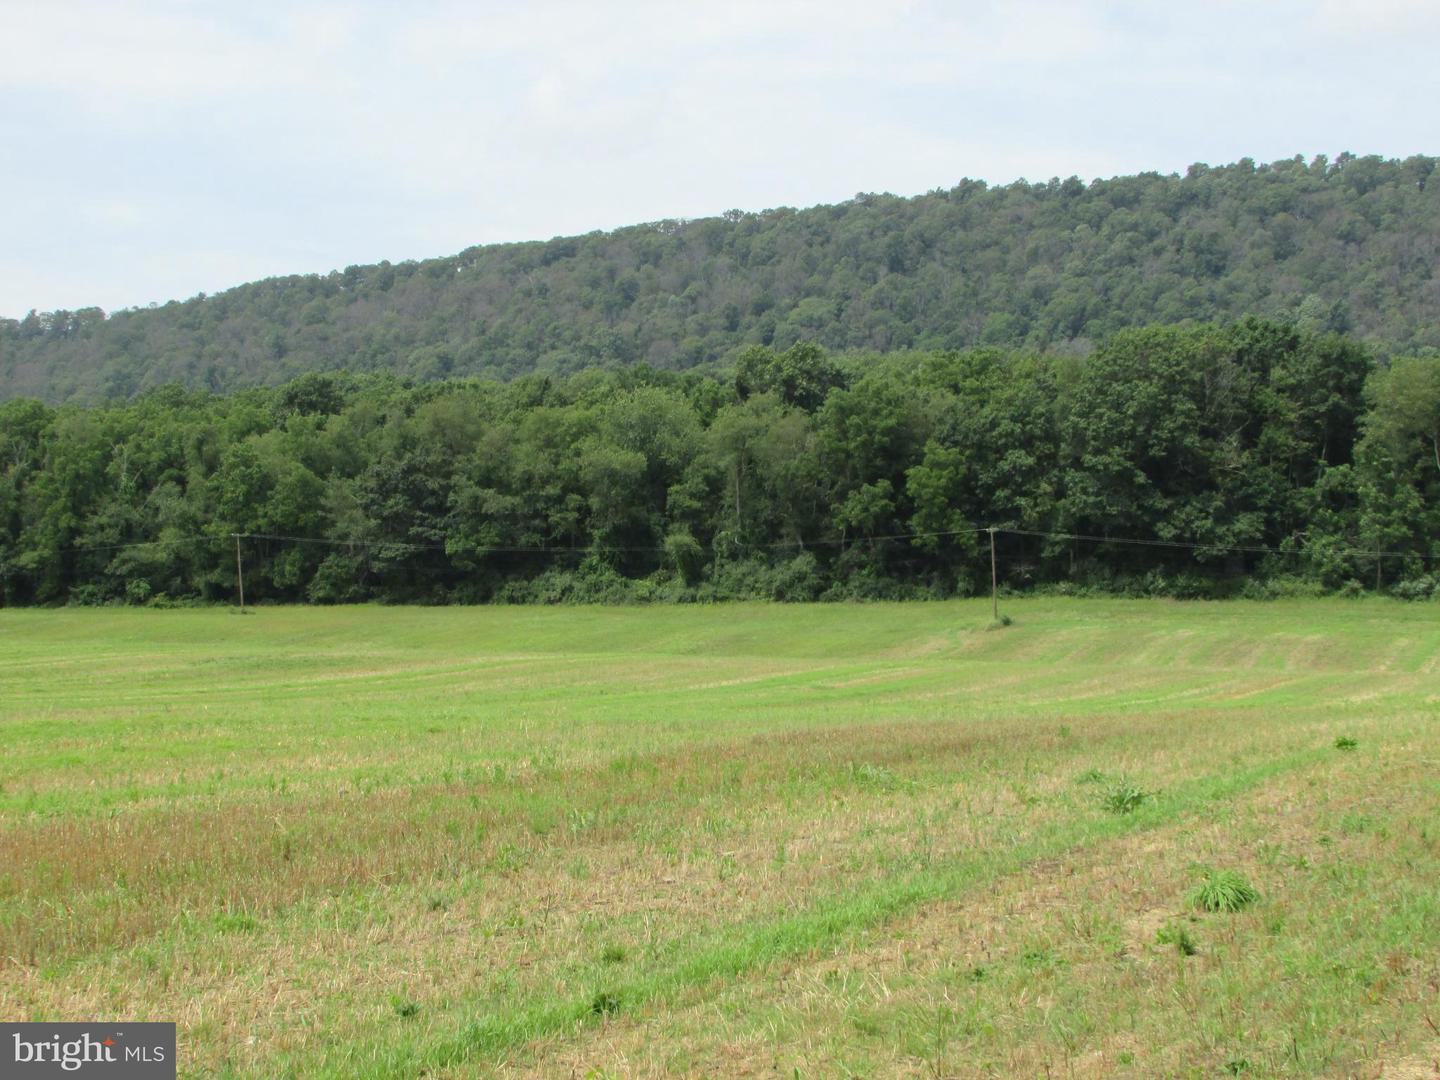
(1347, 245)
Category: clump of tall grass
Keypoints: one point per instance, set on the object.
(1223, 890)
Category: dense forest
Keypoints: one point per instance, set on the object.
(1346, 245)
(1261, 456)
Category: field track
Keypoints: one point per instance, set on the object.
(741, 840)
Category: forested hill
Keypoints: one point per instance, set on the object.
(1347, 245)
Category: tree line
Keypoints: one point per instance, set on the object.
(1349, 245)
(1273, 457)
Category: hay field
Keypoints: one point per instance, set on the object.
(746, 840)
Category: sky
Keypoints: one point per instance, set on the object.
(153, 150)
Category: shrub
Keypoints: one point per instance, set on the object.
(799, 579)
(1420, 588)
(1284, 587)
(337, 580)
(89, 595)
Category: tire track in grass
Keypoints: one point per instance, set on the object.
(750, 1026)
(737, 950)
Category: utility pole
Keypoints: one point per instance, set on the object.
(994, 580)
(239, 573)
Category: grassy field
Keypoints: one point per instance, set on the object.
(745, 840)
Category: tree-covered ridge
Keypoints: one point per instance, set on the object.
(1282, 454)
(1347, 245)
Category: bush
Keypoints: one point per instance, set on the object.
(741, 579)
(1420, 588)
(592, 582)
(1284, 587)
(337, 581)
(799, 579)
(89, 596)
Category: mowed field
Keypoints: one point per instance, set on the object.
(745, 840)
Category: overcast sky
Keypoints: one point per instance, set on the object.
(149, 151)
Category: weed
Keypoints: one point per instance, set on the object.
(1236, 1066)
(1039, 957)
(613, 954)
(1124, 797)
(866, 1025)
(403, 1008)
(1353, 823)
(508, 858)
(236, 922)
(875, 777)
(1223, 890)
(1091, 776)
(579, 821)
(605, 1003)
(1345, 742)
(1177, 934)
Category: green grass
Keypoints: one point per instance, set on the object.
(523, 841)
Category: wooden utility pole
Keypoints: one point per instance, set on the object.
(994, 580)
(239, 572)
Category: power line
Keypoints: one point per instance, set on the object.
(355, 542)
(1218, 549)
(586, 548)
(143, 543)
